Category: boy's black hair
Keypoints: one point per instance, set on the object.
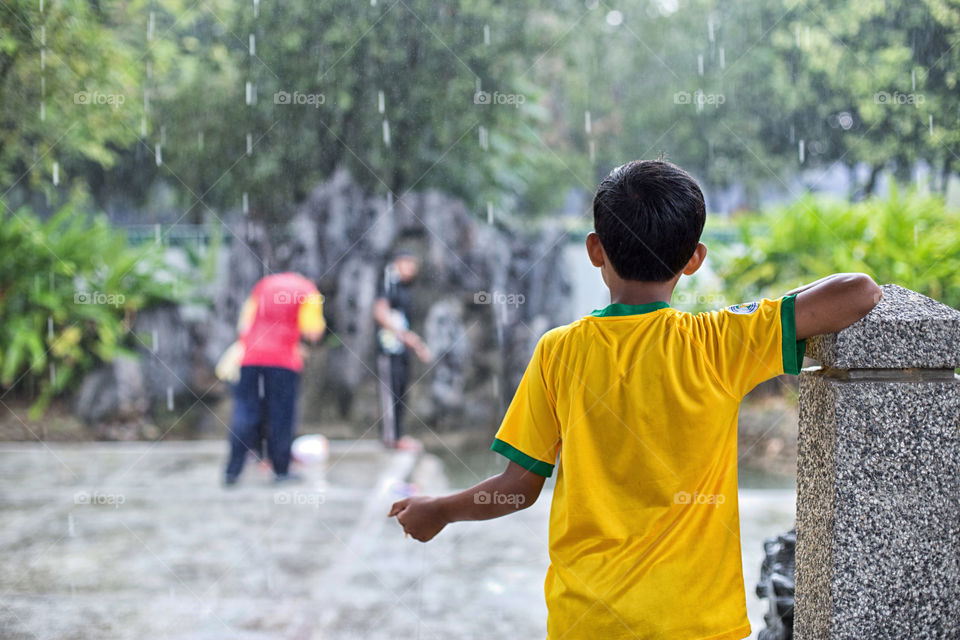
(649, 215)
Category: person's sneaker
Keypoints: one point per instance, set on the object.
(406, 443)
(230, 481)
(287, 478)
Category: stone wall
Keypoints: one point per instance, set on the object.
(341, 238)
(878, 495)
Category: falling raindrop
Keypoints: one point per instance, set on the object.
(150, 25)
(386, 132)
(793, 134)
(43, 59)
(249, 144)
(158, 155)
(249, 92)
(723, 63)
(486, 34)
(200, 140)
(593, 151)
(260, 388)
(710, 27)
(155, 336)
(71, 529)
(41, 6)
(931, 124)
(56, 174)
(50, 327)
(806, 36)
(390, 201)
(700, 64)
(256, 8)
(484, 137)
(169, 398)
(800, 151)
(253, 45)
(381, 102)
(796, 34)
(586, 121)
(246, 203)
(913, 79)
(143, 126)
(43, 111)
(157, 233)
(489, 212)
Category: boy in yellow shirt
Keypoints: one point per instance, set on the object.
(635, 405)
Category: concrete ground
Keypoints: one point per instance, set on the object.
(140, 541)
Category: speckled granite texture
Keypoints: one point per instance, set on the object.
(878, 483)
(905, 330)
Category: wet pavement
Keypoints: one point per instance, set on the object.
(140, 541)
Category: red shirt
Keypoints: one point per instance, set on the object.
(272, 337)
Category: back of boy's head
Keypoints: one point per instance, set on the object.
(649, 215)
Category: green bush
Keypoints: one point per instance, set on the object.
(911, 239)
(70, 287)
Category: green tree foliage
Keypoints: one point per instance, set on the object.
(70, 88)
(731, 90)
(70, 288)
(910, 239)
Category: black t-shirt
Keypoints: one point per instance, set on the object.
(397, 294)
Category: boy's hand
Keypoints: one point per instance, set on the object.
(420, 517)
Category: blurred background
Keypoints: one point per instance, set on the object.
(158, 157)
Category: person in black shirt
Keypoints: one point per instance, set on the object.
(395, 339)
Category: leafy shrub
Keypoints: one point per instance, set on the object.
(911, 239)
(69, 291)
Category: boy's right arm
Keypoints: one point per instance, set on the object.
(423, 517)
(833, 303)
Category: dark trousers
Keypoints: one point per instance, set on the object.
(393, 371)
(263, 394)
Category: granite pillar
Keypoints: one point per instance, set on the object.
(878, 487)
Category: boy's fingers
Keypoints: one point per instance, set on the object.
(397, 507)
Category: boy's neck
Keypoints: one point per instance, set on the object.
(634, 292)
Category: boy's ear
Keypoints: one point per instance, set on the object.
(699, 254)
(595, 249)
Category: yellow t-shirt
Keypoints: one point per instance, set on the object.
(640, 404)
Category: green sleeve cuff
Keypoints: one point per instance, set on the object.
(513, 454)
(793, 349)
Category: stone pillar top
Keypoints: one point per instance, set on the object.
(906, 330)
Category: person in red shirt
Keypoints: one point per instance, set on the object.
(281, 309)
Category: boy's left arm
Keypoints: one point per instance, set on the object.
(423, 517)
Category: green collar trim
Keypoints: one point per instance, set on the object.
(618, 309)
